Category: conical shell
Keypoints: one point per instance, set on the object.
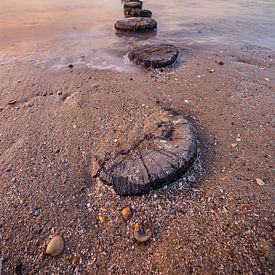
(56, 246)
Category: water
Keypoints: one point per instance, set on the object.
(55, 33)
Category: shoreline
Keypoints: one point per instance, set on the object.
(223, 222)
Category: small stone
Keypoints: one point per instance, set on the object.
(142, 232)
(267, 79)
(260, 182)
(37, 212)
(94, 168)
(221, 62)
(71, 66)
(211, 70)
(234, 145)
(18, 269)
(59, 92)
(126, 213)
(191, 178)
(8, 170)
(55, 246)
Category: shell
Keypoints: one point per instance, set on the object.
(126, 213)
(101, 218)
(142, 232)
(56, 246)
(260, 182)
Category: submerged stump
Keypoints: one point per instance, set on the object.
(154, 56)
(136, 24)
(137, 13)
(162, 157)
(133, 5)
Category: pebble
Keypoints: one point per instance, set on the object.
(234, 145)
(71, 66)
(56, 246)
(37, 212)
(94, 168)
(65, 161)
(191, 178)
(8, 170)
(211, 70)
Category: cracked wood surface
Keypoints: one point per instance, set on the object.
(165, 155)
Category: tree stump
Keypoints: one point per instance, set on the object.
(154, 56)
(133, 5)
(136, 24)
(137, 13)
(162, 157)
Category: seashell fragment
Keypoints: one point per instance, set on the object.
(101, 218)
(56, 246)
(142, 232)
(12, 101)
(260, 182)
(126, 213)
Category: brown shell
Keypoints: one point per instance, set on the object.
(56, 246)
(126, 213)
(142, 232)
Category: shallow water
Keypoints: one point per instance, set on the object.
(58, 32)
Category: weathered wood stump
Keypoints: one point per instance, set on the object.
(137, 13)
(154, 56)
(162, 157)
(133, 5)
(136, 24)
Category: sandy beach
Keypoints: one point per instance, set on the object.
(54, 123)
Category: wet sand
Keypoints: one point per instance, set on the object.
(53, 123)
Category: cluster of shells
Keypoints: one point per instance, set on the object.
(142, 232)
